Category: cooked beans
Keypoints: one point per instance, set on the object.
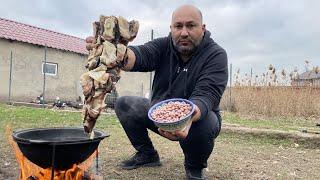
(171, 111)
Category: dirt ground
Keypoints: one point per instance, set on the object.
(236, 156)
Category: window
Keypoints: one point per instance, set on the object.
(50, 69)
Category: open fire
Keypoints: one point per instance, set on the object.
(74, 173)
(30, 171)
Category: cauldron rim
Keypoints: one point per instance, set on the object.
(99, 135)
(60, 155)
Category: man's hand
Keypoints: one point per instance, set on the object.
(176, 135)
(90, 42)
(181, 134)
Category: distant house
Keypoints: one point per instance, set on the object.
(65, 57)
(309, 78)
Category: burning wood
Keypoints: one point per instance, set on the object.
(111, 35)
(30, 171)
(75, 173)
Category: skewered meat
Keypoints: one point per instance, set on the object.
(107, 55)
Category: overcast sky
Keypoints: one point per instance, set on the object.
(255, 33)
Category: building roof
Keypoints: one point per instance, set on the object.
(12, 30)
(309, 75)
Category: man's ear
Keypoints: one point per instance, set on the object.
(203, 27)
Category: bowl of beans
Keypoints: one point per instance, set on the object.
(171, 114)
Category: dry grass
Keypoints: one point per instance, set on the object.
(274, 101)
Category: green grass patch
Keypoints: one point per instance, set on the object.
(28, 117)
(20, 117)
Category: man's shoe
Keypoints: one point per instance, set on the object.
(194, 174)
(141, 160)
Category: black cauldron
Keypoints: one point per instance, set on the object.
(57, 148)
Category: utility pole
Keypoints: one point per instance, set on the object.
(230, 86)
(10, 78)
(44, 75)
(251, 73)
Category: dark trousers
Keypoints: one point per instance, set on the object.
(133, 115)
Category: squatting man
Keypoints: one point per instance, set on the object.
(188, 64)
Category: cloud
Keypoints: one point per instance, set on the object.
(255, 33)
(268, 32)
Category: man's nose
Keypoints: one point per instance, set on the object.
(184, 32)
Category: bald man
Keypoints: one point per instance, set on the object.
(188, 64)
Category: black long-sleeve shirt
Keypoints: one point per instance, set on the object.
(202, 79)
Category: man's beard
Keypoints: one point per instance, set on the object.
(186, 50)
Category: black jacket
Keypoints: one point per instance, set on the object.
(202, 79)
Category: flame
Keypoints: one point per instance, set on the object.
(30, 171)
(74, 173)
